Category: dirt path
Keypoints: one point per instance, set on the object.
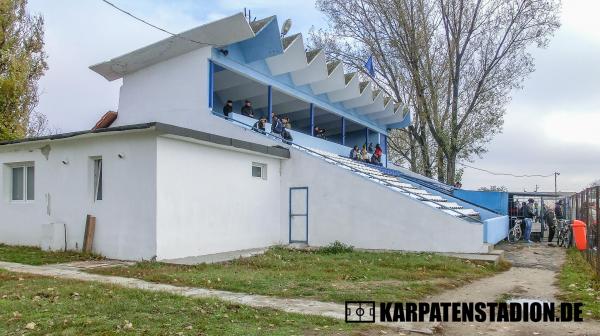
(532, 277)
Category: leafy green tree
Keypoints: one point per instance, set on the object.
(22, 63)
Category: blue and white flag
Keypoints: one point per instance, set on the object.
(370, 67)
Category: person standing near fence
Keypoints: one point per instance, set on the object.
(529, 214)
(558, 210)
(550, 219)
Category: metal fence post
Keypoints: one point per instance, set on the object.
(597, 230)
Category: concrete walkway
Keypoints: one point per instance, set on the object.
(532, 277)
(308, 307)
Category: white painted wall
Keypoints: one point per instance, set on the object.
(208, 201)
(346, 207)
(175, 92)
(64, 193)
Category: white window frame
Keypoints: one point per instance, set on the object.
(25, 166)
(263, 170)
(97, 178)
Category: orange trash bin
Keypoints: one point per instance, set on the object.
(579, 234)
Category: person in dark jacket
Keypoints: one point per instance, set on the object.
(247, 109)
(276, 124)
(320, 132)
(259, 126)
(550, 219)
(370, 148)
(287, 136)
(529, 214)
(558, 210)
(228, 108)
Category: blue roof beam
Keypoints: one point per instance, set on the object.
(266, 43)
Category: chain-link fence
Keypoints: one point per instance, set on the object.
(585, 206)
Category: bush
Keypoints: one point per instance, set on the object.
(336, 247)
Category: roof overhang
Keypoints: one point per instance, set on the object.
(162, 130)
(222, 32)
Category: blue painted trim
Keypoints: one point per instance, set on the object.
(292, 215)
(402, 124)
(343, 131)
(385, 149)
(312, 119)
(266, 43)
(269, 102)
(491, 200)
(211, 80)
(239, 67)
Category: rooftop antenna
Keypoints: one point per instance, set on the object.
(285, 27)
(248, 14)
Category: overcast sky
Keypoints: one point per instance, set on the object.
(552, 124)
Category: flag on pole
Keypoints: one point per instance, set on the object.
(369, 66)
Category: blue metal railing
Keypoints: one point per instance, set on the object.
(298, 146)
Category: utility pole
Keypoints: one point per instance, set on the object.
(536, 188)
(555, 175)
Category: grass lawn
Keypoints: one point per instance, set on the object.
(318, 275)
(579, 283)
(35, 256)
(33, 305)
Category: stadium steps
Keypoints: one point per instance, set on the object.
(379, 175)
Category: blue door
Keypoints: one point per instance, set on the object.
(299, 215)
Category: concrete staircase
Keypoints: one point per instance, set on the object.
(382, 176)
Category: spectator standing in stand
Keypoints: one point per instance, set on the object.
(247, 109)
(228, 108)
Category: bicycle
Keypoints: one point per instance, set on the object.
(564, 233)
(515, 233)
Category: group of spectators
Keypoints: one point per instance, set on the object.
(367, 154)
(279, 126)
(246, 110)
(530, 210)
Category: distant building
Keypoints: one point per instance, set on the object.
(171, 177)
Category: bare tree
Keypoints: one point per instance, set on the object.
(39, 125)
(453, 63)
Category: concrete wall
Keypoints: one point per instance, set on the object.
(64, 193)
(346, 207)
(208, 201)
(176, 92)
